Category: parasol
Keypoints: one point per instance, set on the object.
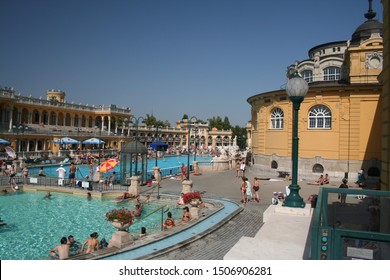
(159, 146)
(93, 141)
(108, 165)
(10, 152)
(66, 140)
(4, 142)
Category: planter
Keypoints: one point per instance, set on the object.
(195, 202)
(120, 226)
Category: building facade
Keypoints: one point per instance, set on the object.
(340, 117)
(33, 124)
(385, 96)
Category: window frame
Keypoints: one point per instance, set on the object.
(277, 119)
(332, 73)
(320, 117)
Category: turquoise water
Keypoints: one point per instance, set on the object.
(167, 162)
(36, 224)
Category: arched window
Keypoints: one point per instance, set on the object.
(274, 164)
(307, 75)
(332, 74)
(320, 117)
(277, 118)
(318, 168)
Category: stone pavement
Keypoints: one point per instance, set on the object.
(247, 223)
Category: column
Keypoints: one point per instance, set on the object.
(109, 125)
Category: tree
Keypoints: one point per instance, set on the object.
(152, 121)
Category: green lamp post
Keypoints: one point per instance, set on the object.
(296, 89)
(189, 123)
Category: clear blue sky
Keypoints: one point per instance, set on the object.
(202, 58)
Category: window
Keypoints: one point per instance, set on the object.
(318, 168)
(277, 118)
(320, 117)
(307, 75)
(274, 164)
(332, 74)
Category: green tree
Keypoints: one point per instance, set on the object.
(152, 121)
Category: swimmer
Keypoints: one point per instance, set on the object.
(138, 210)
(47, 195)
(143, 232)
(92, 243)
(169, 222)
(186, 215)
(61, 251)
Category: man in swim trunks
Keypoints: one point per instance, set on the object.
(61, 252)
(72, 174)
(92, 243)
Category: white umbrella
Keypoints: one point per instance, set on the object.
(93, 141)
(10, 152)
(4, 142)
(66, 140)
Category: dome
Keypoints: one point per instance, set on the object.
(368, 28)
(365, 30)
(129, 147)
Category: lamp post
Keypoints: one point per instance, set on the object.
(18, 128)
(296, 89)
(135, 121)
(99, 126)
(156, 140)
(196, 131)
(189, 125)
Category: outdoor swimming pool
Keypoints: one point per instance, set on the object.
(169, 162)
(36, 224)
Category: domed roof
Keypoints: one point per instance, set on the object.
(365, 30)
(129, 147)
(368, 28)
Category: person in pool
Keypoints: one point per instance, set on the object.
(61, 251)
(186, 215)
(92, 243)
(169, 222)
(138, 210)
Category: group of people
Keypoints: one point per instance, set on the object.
(246, 189)
(240, 168)
(322, 180)
(70, 247)
(170, 221)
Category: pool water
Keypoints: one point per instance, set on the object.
(83, 170)
(35, 224)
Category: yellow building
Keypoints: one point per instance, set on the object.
(385, 100)
(32, 124)
(340, 117)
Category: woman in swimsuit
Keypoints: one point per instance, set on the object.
(169, 222)
(243, 190)
(256, 187)
(186, 215)
(92, 243)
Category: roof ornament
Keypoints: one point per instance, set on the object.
(370, 14)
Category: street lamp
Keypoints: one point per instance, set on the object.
(189, 125)
(156, 140)
(196, 131)
(17, 129)
(135, 121)
(296, 89)
(100, 126)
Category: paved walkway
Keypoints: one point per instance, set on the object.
(247, 223)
